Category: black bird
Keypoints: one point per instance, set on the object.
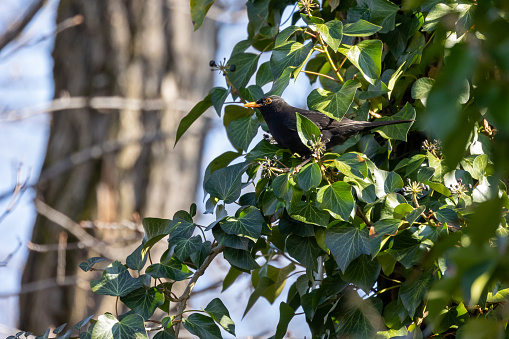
(282, 122)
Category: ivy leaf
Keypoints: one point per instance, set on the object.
(286, 314)
(367, 57)
(434, 16)
(240, 259)
(289, 54)
(309, 177)
(285, 34)
(242, 131)
(202, 326)
(225, 183)
(386, 182)
(261, 150)
(334, 105)
(421, 88)
(136, 260)
(108, 327)
(279, 85)
(89, 264)
(308, 213)
(246, 66)
(398, 131)
(304, 249)
(172, 269)
(251, 93)
(331, 32)
(230, 240)
(219, 313)
(264, 74)
(115, 281)
(184, 247)
(199, 9)
(218, 96)
(383, 228)
(247, 225)
(336, 198)
(346, 243)
(191, 117)
(412, 292)
(144, 302)
(363, 272)
(383, 13)
(361, 28)
(307, 130)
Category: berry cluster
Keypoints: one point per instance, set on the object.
(222, 67)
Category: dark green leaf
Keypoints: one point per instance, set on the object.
(219, 313)
(230, 278)
(218, 96)
(242, 131)
(246, 66)
(309, 176)
(413, 291)
(261, 150)
(398, 131)
(289, 54)
(308, 213)
(115, 281)
(346, 243)
(334, 105)
(247, 225)
(241, 259)
(144, 302)
(230, 240)
(361, 28)
(251, 93)
(191, 117)
(202, 326)
(173, 270)
(421, 88)
(336, 198)
(286, 313)
(225, 183)
(307, 130)
(383, 13)
(87, 266)
(382, 229)
(286, 33)
(184, 247)
(305, 250)
(362, 272)
(386, 182)
(367, 57)
(136, 260)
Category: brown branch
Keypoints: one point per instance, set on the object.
(47, 284)
(17, 27)
(61, 261)
(102, 104)
(190, 286)
(54, 247)
(19, 189)
(72, 227)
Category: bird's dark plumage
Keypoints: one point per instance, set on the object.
(282, 122)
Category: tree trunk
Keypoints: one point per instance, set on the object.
(138, 50)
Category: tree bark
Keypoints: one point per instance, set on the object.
(133, 49)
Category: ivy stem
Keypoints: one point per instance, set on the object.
(321, 75)
(116, 306)
(326, 51)
(387, 289)
(319, 274)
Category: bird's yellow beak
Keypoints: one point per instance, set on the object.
(252, 104)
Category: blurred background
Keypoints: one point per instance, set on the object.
(92, 92)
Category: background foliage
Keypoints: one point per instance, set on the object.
(399, 233)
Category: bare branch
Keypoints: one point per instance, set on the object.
(46, 284)
(102, 104)
(17, 27)
(68, 23)
(54, 247)
(74, 228)
(9, 257)
(19, 189)
(190, 286)
(62, 249)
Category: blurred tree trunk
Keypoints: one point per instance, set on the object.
(133, 49)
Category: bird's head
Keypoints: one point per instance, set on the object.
(271, 102)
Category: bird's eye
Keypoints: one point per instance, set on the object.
(268, 101)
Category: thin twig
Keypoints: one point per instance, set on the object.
(74, 228)
(62, 249)
(19, 189)
(321, 75)
(16, 28)
(9, 257)
(190, 286)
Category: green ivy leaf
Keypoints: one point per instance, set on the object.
(309, 176)
(246, 64)
(184, 247)
(251, 93)
(412, 292)
(191, 117)
(352, 164)
(286, 33)
(199, 9)
(247, 225)
(218, 96)
(334, 105)
(362, 272)
(202, 326)
(172, 269)
(136, 260)
(144, 302)
(383, 228)
(398, 131)
(421, 89)
(386, 182)
(286, 314)
(337, 199)
(346, 243)
(305, 250)
(331, 32)
(289, 54)
(240, 259)
(115, 281)
(230, 240)
(219, 313)
(242, 131)
(108, 327)
(361, 28)
(308, 213)
(383, 13)
(225, 183)
(264, 74)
